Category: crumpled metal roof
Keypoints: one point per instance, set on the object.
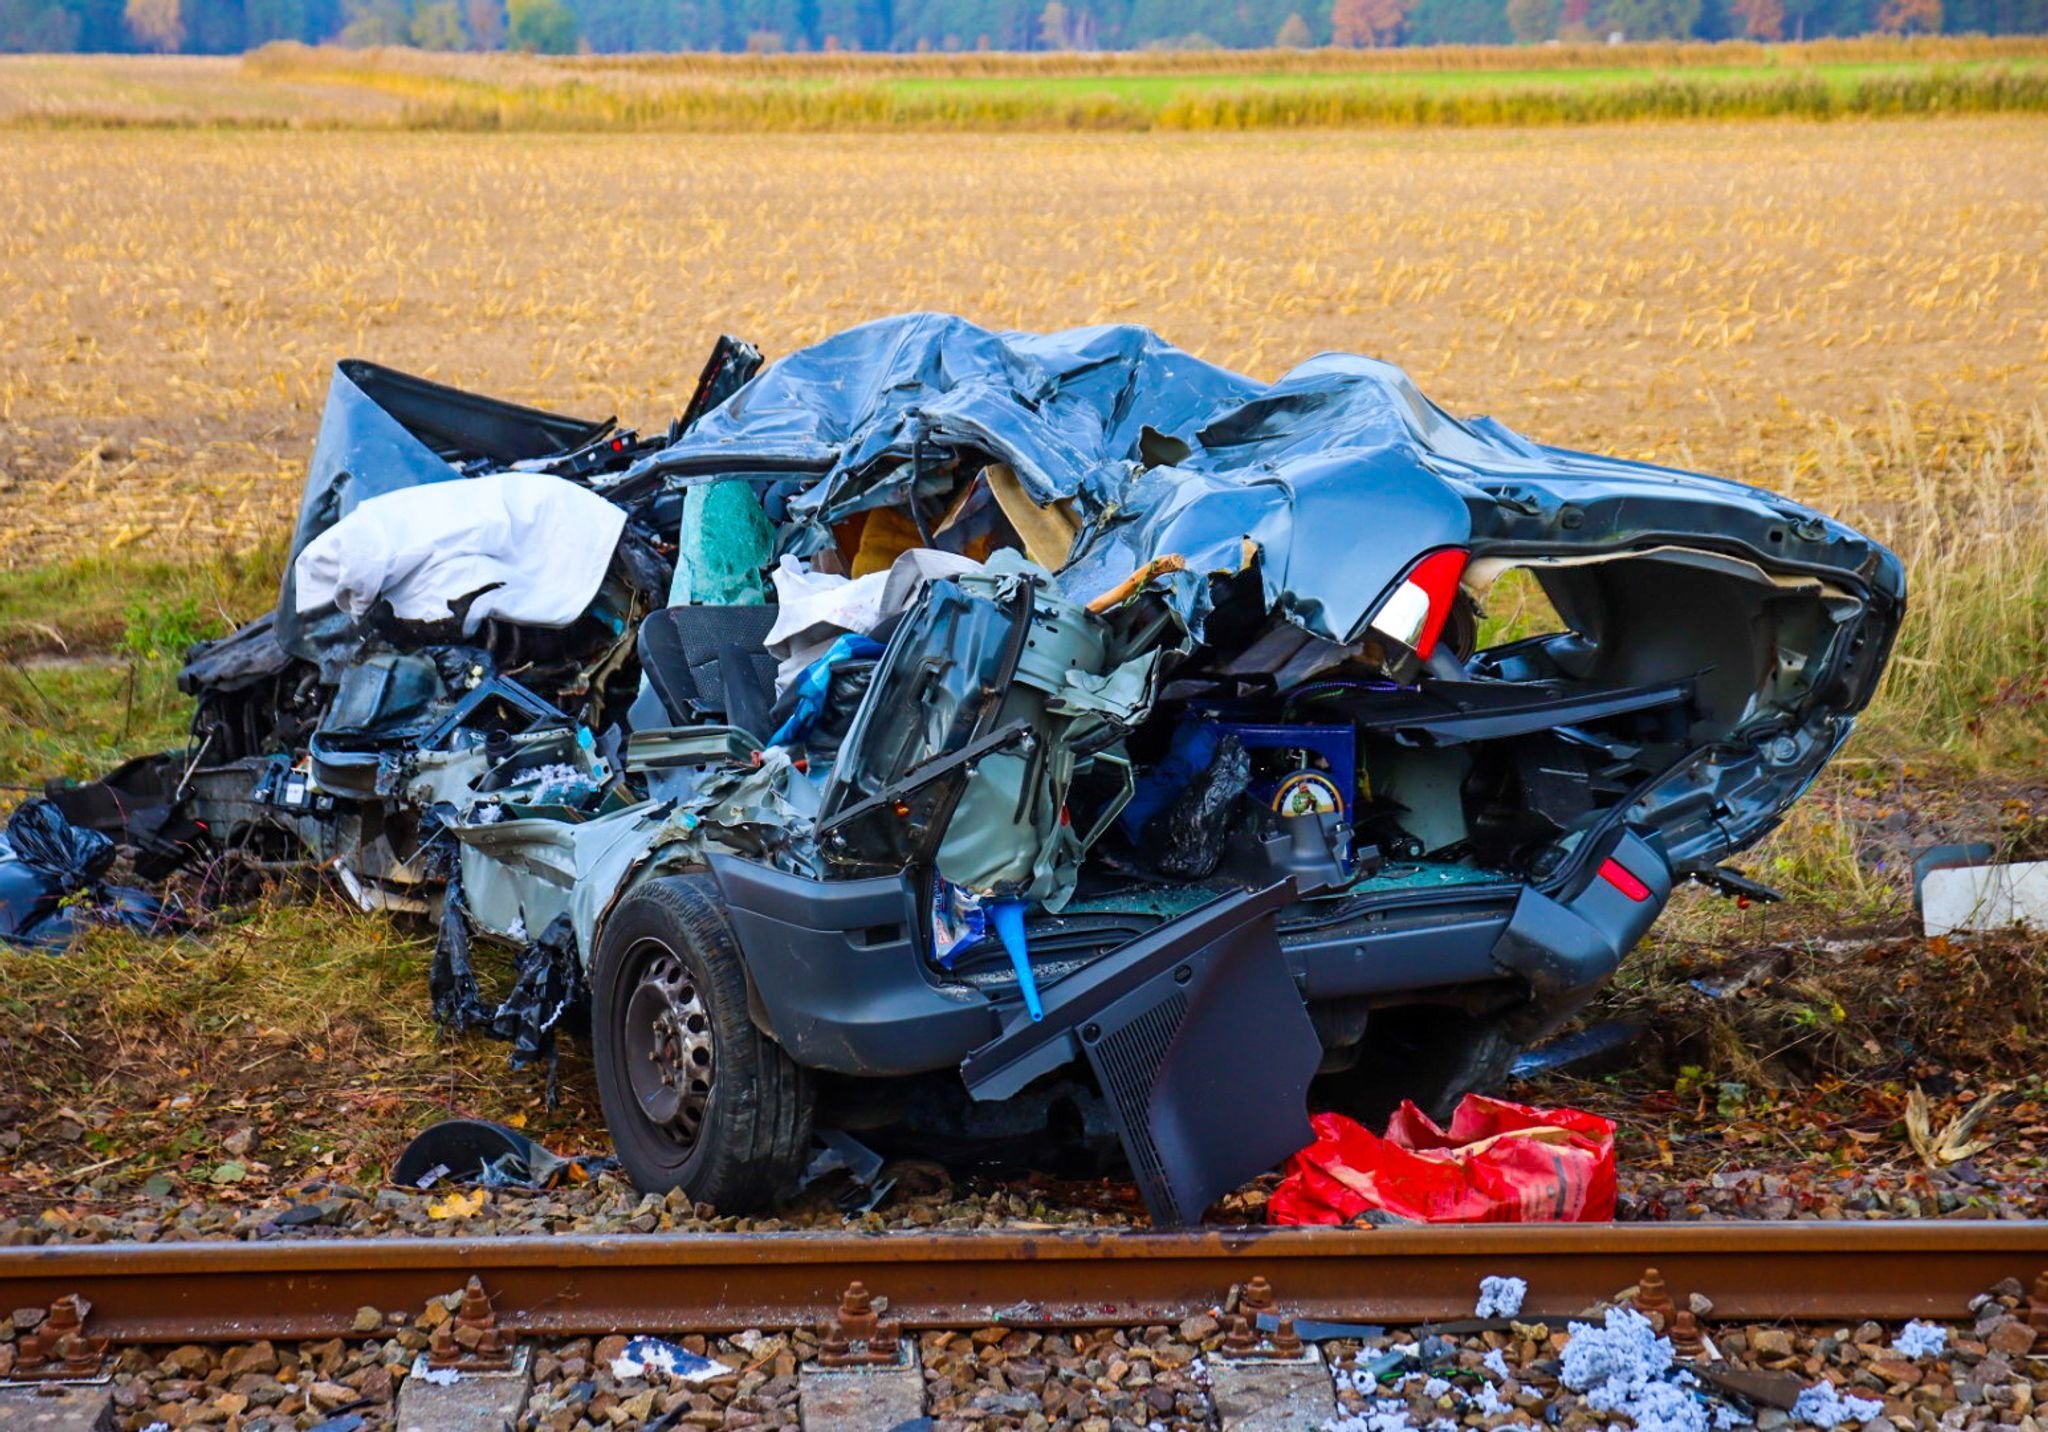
(1161, 452)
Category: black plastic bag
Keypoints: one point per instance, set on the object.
(50, 877)
(46, 842)
(1187, 837)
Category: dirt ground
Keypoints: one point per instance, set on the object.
(1709, 295)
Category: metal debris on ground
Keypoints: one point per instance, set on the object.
(482, 1152)
(645, 1356)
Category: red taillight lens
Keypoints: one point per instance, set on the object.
(1415, 613)
(1617, 875)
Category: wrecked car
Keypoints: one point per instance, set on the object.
(993, 733)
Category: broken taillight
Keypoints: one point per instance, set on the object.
(1415, 613)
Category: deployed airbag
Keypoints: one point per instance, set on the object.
(529, 548)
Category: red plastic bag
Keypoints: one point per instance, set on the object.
(1498, 1163)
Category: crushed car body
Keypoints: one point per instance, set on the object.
(1002, 732)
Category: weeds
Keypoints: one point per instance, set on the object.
(90, 651)
(146, 609)
(1968, 515)
(1564, 87)
(298, 86)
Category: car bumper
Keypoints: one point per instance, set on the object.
(839, 976)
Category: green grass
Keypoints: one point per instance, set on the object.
(88, 605)
(90, 650)
(1466, 86)
(1173, 103)
(1155, 92)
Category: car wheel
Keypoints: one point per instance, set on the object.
(695, 1096)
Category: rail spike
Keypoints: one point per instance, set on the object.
(858, 1336)
(1653, 1300)
(60, 1349)
(1245, 1340)
(471, 1340)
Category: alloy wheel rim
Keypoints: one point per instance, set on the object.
(670, 1058)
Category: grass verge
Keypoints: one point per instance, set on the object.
(289, 1041)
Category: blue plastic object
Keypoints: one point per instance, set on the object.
(1008, 916)
(1189, 753)
(958, 920)
(815, 680)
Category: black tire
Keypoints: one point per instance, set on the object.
(695, 1096)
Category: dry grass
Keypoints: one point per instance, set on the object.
(304, 1021)
(1855, 314)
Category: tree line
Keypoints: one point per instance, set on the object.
(563, 26)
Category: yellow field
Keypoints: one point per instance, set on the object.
(1712, 294)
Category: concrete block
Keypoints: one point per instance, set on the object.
(1253, 1395)
(473, 1402)
(57, 1407)
(865, 1399)
(1985, 897)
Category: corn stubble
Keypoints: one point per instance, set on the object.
(1852, 313)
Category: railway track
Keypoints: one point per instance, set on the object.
(485, 1365)
(200, 1292)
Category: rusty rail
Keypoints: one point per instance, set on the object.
(713, 1282)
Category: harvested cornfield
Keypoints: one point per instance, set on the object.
(1715, 295)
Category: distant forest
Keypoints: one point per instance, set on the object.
(564, 26)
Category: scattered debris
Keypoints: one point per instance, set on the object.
(1623, 1366)
(1602, 1041)
(1918, 1339)
(644, 1355)
(840, 1152)
(477, 1151)
(1500, 1297)
(1953, 1143)
(1824, 1405)
(52, 880)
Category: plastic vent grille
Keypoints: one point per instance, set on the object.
(1126, 1060)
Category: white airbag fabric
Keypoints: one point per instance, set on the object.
(812, 609)
(539, 544)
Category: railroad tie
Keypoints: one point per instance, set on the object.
(471, 1376)
(867, 1377)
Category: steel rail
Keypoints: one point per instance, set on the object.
(215, 1291)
